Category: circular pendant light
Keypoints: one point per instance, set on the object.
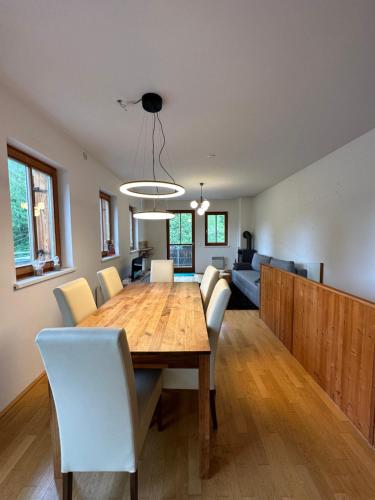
(152, 103)
(153, 215)
(132, 189)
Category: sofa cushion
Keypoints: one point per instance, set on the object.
(247, 282)
(259, 259)
(285, 265)
(249, 276)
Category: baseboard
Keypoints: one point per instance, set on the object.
(20, 396)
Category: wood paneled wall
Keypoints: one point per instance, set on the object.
(332, 335)
(276, 307)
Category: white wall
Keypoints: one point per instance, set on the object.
(240, 217)
(24, 312)
(326, 213)
(246, 219)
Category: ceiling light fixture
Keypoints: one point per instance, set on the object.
(129, 188)
(153, 215)
(203, 205)
(152, 103)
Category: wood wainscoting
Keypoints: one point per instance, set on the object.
(331, 333)
(276, 303)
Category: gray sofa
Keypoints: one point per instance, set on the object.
(248, 281)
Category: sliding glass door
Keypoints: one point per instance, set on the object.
(181, 241)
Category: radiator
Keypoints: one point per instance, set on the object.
(218, 262)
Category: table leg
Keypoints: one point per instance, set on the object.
(204, 415)
(55, 437)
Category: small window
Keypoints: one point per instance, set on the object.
(106, 232)
(133, 229)
(35, 214)
(216, 227)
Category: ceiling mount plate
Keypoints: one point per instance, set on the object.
(152, 102)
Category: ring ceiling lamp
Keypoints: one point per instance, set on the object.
(132, 188)
(152, 103)
(154, 215)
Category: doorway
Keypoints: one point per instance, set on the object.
(181, 240)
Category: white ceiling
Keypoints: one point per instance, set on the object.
(269, 86)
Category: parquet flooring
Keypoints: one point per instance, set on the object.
(279, 436)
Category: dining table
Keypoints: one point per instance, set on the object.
(165, 328)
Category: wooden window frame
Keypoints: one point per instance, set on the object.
(220, 244)
(33, 163)
(107, 197)
(183, 269)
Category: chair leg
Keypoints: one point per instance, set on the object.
(134, 485)
(67, 478)
(159, 415)
(213, 408)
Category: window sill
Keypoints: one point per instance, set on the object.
(33, 280)
(215, 246)
(141, 250)
(110, 257)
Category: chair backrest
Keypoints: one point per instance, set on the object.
(209, 280)
(75, 301)
(214, 319)
(110, 282)
(162, 271)
(91, 376)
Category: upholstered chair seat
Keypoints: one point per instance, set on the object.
(75, 301)
(187, 378)
(209, 280)
(162, 271)
(104, 408)
(110, 282)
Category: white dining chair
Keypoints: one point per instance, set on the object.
(75, 301)
(187, 378)
(162, 271)
(209, 280)
(110, 282)
(104, 408)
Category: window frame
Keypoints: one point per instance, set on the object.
(167, 222)
(216, 244)
(26, 270)
(108, 198)
(133, 231)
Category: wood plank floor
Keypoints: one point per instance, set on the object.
(279, 437)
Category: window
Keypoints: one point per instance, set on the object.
(35, 214)
(133, 229)
(180, 240)
(216, 228)
(106, 233)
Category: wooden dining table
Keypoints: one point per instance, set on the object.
(165, 327)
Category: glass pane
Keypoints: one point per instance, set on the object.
(44, 214)
(211, 228)
(174, 230)
(131, 221)
(186, 228)
(21, 214)
(220, 229)
(135, 232)
(105, 224)
(182, 255)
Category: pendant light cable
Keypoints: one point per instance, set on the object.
(152, 103)
(162, 148)
(153, 148)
